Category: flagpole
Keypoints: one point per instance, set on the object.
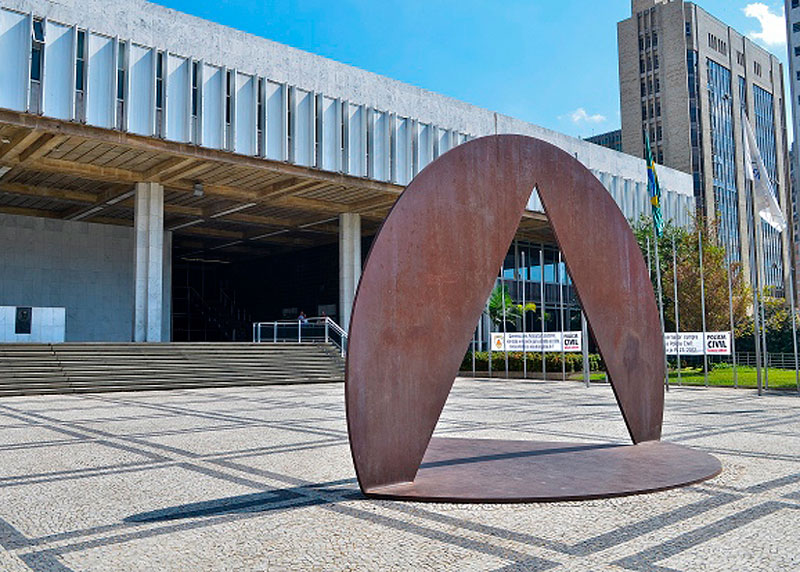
(505, 333)
(762, 285)
(755, 279)
(585, 348)
(766, 207)
(489, 337)
(541, 312)
(561, 317)
(703, 299)
(677, 321)
(654, 191)
(794, 330)
(524, 319)
(733, 337)
(660, 305)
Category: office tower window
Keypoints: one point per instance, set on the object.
(644, 89)
(796, 27)
(655, 39)
(726, 196)
(757, 67)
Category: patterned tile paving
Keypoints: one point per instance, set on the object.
(261, 479)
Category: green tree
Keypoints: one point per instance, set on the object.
(778, 320)
(715, 275)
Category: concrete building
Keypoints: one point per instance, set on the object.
(611, 140)
(685, 78)
(163, 176)
(792, 10)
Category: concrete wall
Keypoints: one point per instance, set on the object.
(47, 325)
(85, 268)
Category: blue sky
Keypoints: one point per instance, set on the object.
(550, 62)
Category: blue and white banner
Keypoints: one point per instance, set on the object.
(537, 342)
(691, 343)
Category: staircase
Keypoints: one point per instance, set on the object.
(30, 369)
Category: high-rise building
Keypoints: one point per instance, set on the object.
(685, 79)
(793, 45)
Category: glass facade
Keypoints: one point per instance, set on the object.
(696, 133)
(765, 138)
(726, 196)
(523, 269)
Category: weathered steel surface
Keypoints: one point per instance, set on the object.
(489, 470)
(432, 266)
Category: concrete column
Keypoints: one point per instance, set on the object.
(349, 263)
(148, 224)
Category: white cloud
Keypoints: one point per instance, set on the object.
(580, 116)
(773, 26)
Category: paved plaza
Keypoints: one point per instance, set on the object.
(261, 479)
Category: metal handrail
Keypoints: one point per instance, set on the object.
(310, 330)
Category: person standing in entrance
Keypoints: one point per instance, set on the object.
(302, 317)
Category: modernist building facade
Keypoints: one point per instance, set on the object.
(685, 79)
(138, 144)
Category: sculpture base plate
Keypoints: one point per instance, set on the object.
(490, 470)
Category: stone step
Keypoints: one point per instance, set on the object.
(31, 369)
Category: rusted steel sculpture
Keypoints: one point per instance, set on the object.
(424, 285)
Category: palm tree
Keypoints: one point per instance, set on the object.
(512, 311)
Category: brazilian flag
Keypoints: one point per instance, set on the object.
(654, 190)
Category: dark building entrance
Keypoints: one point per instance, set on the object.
(219, 299)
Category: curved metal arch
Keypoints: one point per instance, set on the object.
(431, 268)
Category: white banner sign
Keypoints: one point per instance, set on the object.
(691, 343)
(532, 342)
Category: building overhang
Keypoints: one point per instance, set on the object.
(233, 205)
